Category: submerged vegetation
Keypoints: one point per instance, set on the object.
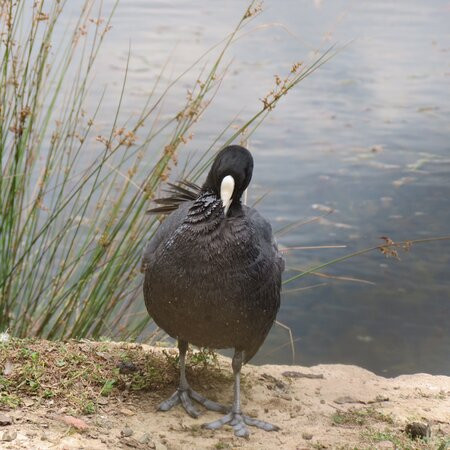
(72, 195)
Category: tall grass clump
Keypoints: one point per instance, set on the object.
(72, 201)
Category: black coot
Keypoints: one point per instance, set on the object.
(213, 277)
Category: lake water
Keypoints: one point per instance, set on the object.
(367, 135)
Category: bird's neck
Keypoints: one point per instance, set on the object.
(235, 209)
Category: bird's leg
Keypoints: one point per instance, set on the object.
(185, 394)
(235, 418)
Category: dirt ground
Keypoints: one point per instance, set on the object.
(325, 406)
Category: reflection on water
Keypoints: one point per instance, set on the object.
(366, 135)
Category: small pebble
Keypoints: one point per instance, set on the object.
(75, 422)
(126, 432)
(145, 439)
(49, 438)
(9, 435)
(28, 402)
(307, 436)
(5, 420)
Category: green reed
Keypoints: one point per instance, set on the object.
(72, 202)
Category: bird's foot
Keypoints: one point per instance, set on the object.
(185, 397)
(239, 422)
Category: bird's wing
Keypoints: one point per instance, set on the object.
(269, 248)
(179, 193)
(164, 231)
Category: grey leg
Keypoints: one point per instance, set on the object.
(235, 418)
(184, 394)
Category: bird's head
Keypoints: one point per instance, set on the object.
(230, 174)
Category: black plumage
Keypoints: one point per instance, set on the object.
(213, 273)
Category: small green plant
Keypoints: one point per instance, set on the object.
(48, 393)
(347, 418)
(172, 358)
(204, 357)
(89, 408)
(9, 400)
(34, 385)
(359, 417)
(29, 354)
(146, 378)
(4, 383)
(401, 440)
(380, 436)
(108, 387)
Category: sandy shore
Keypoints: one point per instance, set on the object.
(325, 406)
